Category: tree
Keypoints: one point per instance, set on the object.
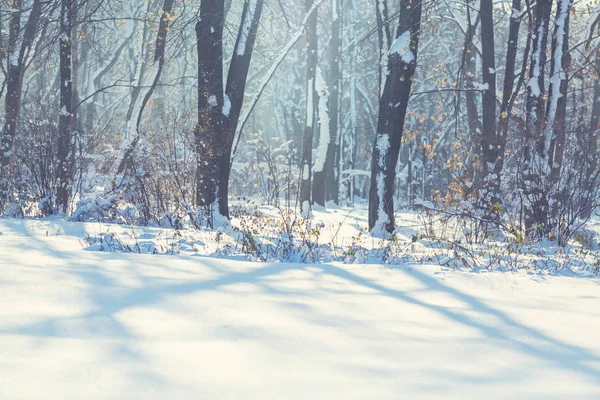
(332, 160)
(21, 40)
(68, 14)
(218, 110)
(312, 55)
(144, 91)
(402, 62)
(491, 148)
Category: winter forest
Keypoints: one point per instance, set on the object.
(314, 199)
(167, 112)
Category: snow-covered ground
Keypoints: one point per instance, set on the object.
(78, 324)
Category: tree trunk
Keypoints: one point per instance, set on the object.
(323, 113)
(402, 61)
(68, 12)
(489, 197)
(145, 90)
(557, 103)
(218, 110)
(18, 48)
(210, 132)
(384, 37)
(470, 72)
(234, 92)
(332, 161)
(536, 206)
(307, 142)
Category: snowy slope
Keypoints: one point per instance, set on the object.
(78, 324)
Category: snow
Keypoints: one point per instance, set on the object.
(226, 105)
(383, 145)
(323, 113)
(310, 103)
(246, 27)
(401, 46)
(212, 100)
(82, 324)
(559, 74)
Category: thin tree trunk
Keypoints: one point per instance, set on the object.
(17, 49)
(331, 170)
(536, 207)
(307, 142)
(145, 91)
(384, 38)
(68, 13)
(557, 103)
(234, 91)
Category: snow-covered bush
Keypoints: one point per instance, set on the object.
(109, 210)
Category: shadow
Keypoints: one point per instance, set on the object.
(108, 303)
(563, 355)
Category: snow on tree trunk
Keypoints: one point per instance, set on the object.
(333, 154)
(489, 197)
(210, 132)
(534, 166)
(324, 139)
(555, 135)
(234, 93)
(307, 140)
(66, 115)
(143, 95)
(402, 61)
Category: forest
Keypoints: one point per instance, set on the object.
(299, 199)
(168, 113)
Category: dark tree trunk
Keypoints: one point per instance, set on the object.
(218, 110)
(489, 197)
(402, 62)
(210, 132)
(536, 86)
(311, 97)
(332, 160)
(557, 102)
(470, 72)
(68, 12)
(14, 78)
(536, 208)
(234, 91)
(384, 37)
(595, 119)
(15, 69)
(509, 79)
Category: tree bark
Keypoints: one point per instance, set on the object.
(145, 91)
(68, 14)
(489, 197)
(218, 110)
(234, 91)
(557, 102)
(17, 50)
(307, 140)
(402, 61)
(332, 161)
(209, 132)
(536, 206)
